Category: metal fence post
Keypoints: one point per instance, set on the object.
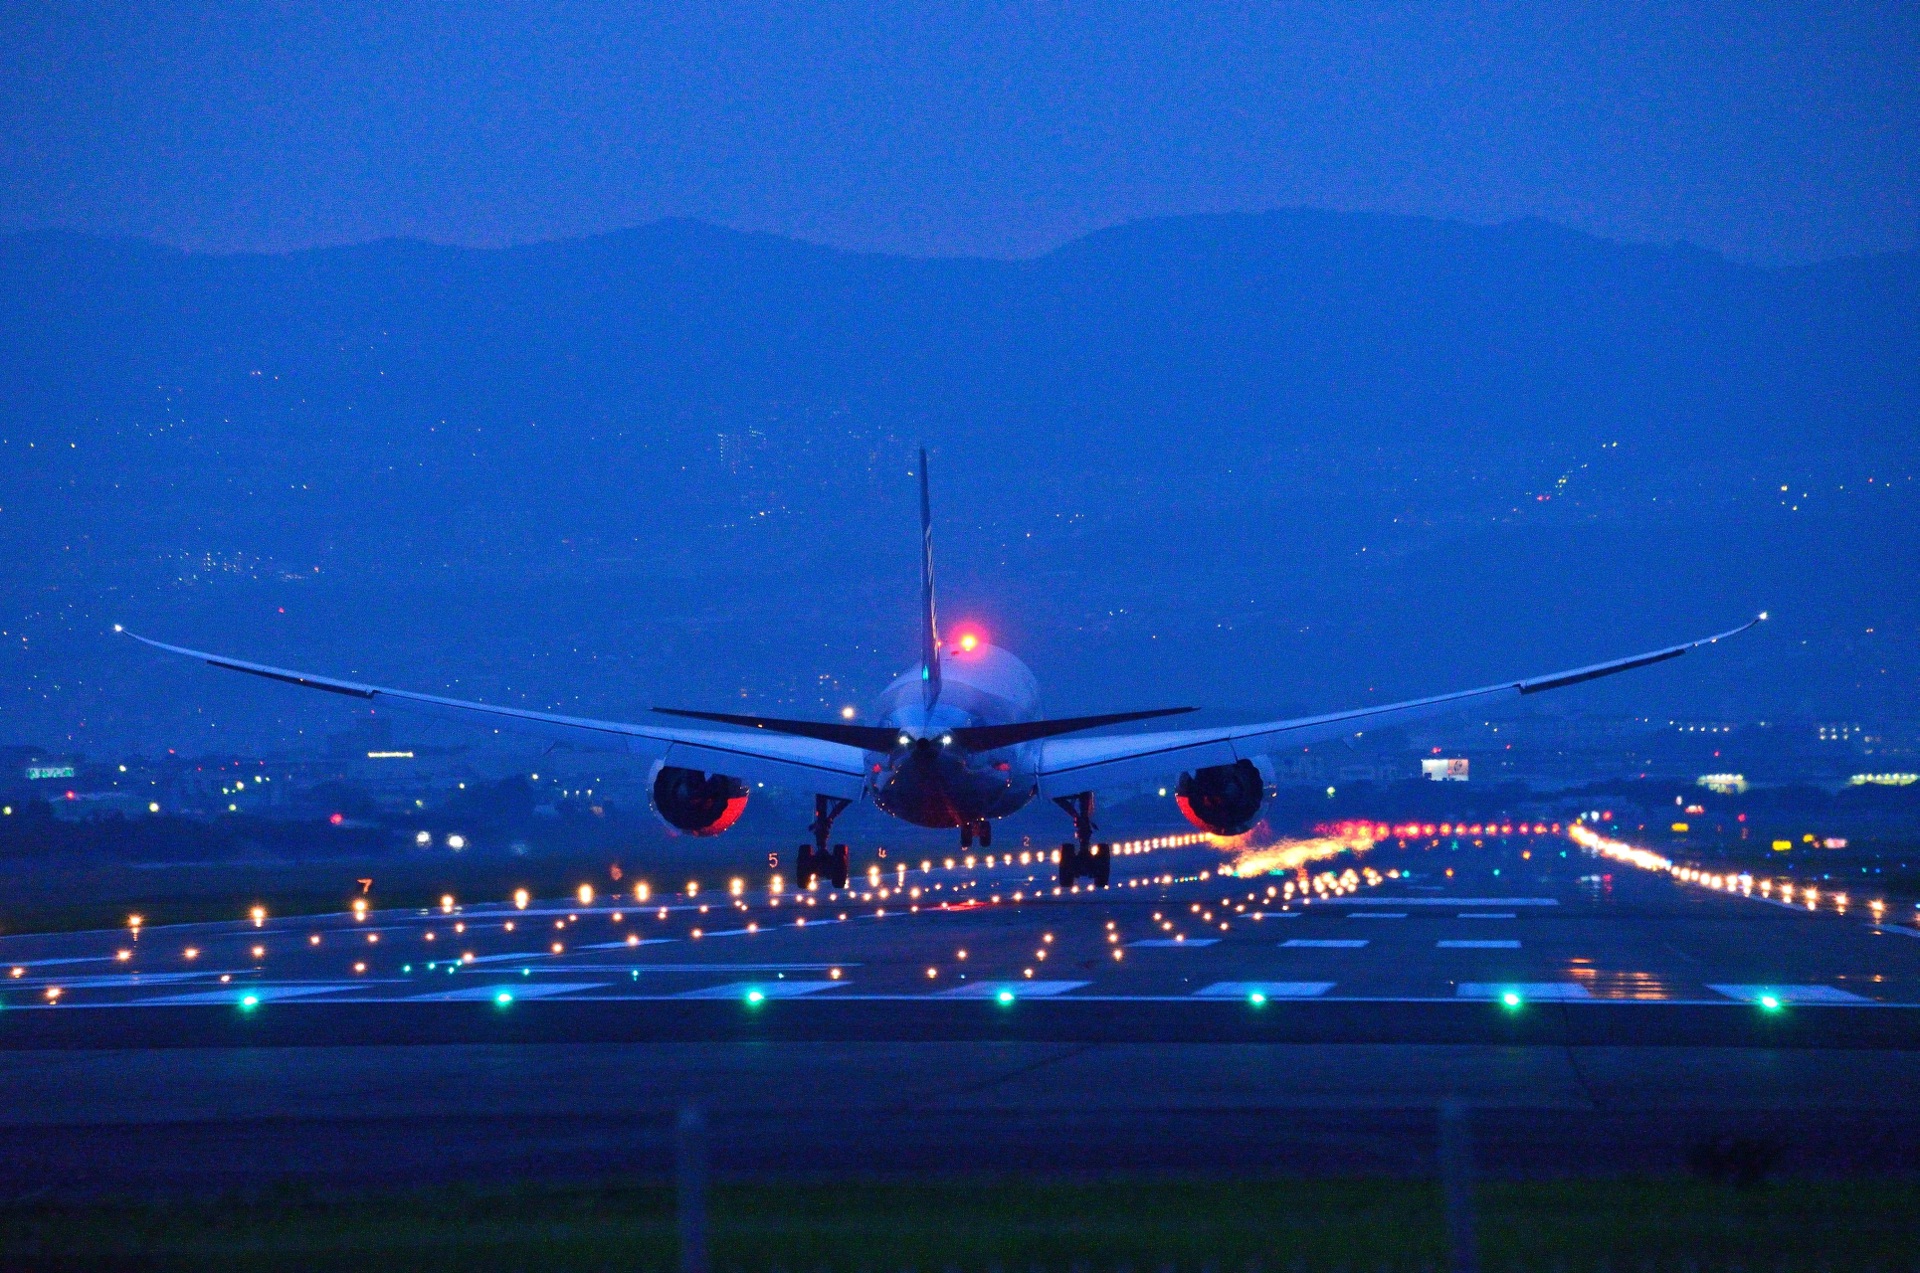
(690, 1160)
(1456, 1185)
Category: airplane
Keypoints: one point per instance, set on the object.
(956, 741)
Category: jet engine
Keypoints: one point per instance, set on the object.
(697, 803)
(1223, 799)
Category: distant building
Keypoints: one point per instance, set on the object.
(1444, 769)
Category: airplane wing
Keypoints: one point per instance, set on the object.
(1072, 765)
(825, 768)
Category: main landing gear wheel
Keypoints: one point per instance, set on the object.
(1083, 859)
(1093, 864)
(815, 860)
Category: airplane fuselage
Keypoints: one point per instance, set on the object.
(935, 783)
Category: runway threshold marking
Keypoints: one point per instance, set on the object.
(1476, 945)
(1789, 994)
(1268, 989)
(1324, 943)
(1556, 990)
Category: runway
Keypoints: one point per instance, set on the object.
(1598, 1017)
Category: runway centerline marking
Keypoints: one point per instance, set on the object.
(1464, 944)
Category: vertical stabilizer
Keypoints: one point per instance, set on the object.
(929, 626)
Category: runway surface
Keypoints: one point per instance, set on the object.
(1598, 1017)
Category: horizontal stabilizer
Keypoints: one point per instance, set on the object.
(988, 737)
(881, 739)
(865, 737)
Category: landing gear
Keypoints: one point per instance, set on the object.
(1093, 863)
(815, 861)
(971, 831)
(1083, 859)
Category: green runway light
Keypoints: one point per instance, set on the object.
(1005, 997)
(1257, 999)
(756, 997)
(249, 1002)
(502, 999)
(1510, 999)
(1770, 1003)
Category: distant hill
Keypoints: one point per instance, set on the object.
(1257, 462)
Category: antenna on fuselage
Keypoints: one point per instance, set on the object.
(929, 626)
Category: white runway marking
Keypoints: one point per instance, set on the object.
(1446, 901)
(1477, 945)
(1325, 943)
(1525, 989)
(519, 990)
(1270, 989)
(1895, 928)
(265, 994)
(1170, 942)
(1018, 989)
(767, 989)
(1790, 994)
(1484, 915)
(1378, 915)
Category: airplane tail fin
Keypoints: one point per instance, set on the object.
(929, 625)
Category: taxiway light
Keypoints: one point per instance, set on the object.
(259, 952)
(446, 903)
(53, 993)
(192, 952)
(259, 914)
(693, 888)
(123, 955)
(585, 894)
(521, 898)
(359, 967)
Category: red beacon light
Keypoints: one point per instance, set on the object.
(969, 642)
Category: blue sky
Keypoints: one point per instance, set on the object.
(1774, 133)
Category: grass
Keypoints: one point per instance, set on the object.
(1140, 1223)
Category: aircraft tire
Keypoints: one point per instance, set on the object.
(838, 865)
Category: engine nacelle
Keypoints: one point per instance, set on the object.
(1223, 799)
(697, 803)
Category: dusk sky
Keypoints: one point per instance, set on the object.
(1772, 133)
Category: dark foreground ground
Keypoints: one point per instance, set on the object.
(1251, 1079)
